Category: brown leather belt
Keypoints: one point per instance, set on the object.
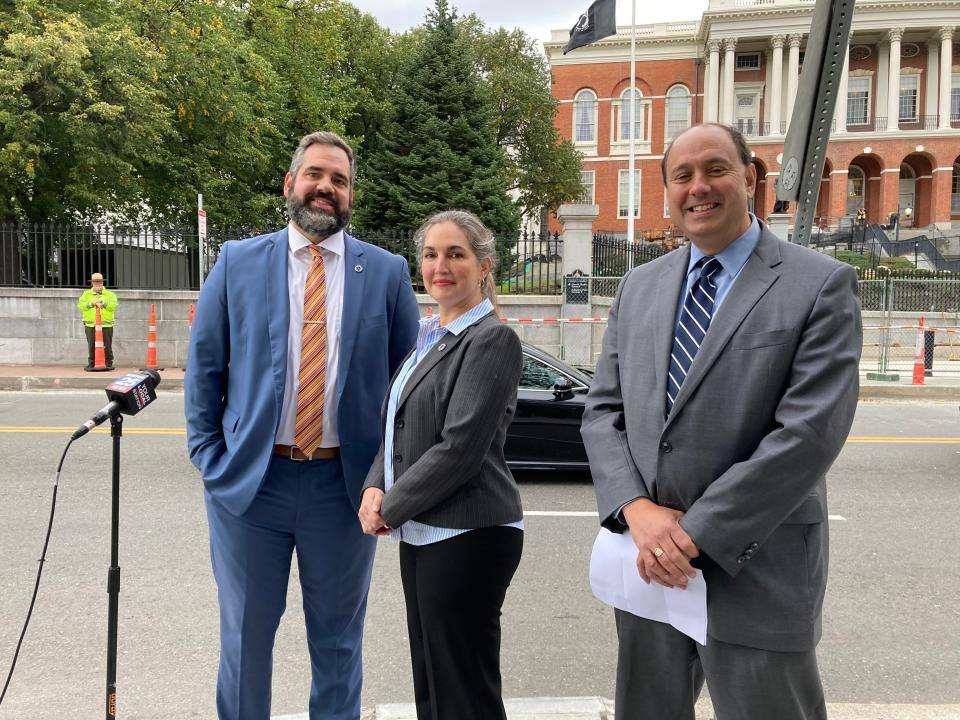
(292, 452)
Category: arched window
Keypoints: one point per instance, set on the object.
(678, 110)
(856, 189)
(955, 191)
(585, 117)
(631, 115)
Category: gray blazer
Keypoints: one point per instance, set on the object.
(449, 431)
(757, 423)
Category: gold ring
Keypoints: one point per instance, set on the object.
(657, 552)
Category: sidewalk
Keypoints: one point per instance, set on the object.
(597, 708)
(943, 387)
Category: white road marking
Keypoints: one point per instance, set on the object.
(580, 513)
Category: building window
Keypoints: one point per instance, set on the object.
(858, 100)
(678, 110)
(587, 181)
(747, 113)
(955, 99)
(666, 204)
(585, 117)
(856, 186)
(909, 91)
(747, 61)
(631, 115)
(955, 192)
(623, 194)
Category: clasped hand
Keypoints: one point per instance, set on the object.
(370, 519)
(658, 528)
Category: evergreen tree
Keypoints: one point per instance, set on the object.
(439, 152)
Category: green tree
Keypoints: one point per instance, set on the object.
(543, 168)
(439, 150)
(81, 120)
(230, 111)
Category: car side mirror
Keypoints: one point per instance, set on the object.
(563, 389)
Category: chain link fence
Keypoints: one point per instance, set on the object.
(893, 333)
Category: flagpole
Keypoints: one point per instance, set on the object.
(633, 120)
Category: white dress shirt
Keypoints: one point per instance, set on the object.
(298, 263)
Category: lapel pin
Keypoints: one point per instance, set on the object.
(441, 347)
(358, 268)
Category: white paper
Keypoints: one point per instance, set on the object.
(615, 581)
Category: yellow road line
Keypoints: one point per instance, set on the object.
(102, 429)
(127, 430)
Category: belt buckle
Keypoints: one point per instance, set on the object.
(296, 459)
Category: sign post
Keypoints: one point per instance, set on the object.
(202, 237)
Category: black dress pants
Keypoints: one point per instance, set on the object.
(454, 590)
(107, 344)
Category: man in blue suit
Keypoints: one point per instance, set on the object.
(264, 495)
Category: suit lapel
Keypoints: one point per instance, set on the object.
(278, 300)
(442, 349)
(753, 282)
(354, 278)
(670, 284)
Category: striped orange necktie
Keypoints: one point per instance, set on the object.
(313, 358)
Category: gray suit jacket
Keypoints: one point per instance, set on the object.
(760, 418)
(449, 431)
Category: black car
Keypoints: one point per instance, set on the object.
(545, 432)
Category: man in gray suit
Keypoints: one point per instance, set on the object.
(718, 405)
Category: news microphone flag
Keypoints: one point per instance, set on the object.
(598, 22)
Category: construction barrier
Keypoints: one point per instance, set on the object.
(99, 353)
(918, 355)
(152, 339)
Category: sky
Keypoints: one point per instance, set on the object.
(535, 17)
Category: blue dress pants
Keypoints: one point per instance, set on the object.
(302, 506)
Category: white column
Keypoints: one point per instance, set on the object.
(930, 95)
(893, 80)
(880, 83)
(793, 73)
(946, 66)
(840, 113)
(726, 93)
(713, 82)
(776, 84)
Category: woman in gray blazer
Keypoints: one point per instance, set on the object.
(440, 484)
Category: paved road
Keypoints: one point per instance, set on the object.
(891, 624)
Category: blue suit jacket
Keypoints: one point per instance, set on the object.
(236, 368)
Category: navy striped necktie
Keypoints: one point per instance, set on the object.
(694, 322)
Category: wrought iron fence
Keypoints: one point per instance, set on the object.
(50, 255)
(614, 256)
(130, 257)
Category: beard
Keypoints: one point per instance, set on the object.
(314, 221)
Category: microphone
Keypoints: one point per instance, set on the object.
(128, 394)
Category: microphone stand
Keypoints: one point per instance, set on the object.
(113, 574)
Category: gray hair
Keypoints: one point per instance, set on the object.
(322, 137)
(736, 137)
(481, 241)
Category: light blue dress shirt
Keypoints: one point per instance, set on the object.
(733, 257)
(413, 532)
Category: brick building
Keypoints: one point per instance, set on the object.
(896, 134)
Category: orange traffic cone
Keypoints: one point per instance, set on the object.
(152, 340)
(918, 355)
(99, 354)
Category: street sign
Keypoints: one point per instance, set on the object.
(202, 224)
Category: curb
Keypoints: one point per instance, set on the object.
(97, 381)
